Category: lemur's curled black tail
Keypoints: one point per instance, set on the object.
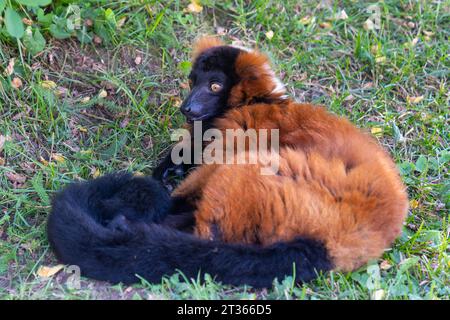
(109, 228)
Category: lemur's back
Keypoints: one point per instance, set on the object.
(335, 184)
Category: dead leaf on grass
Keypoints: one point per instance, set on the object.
(341, 15)
(3, 139)
(16, 177)
(46, 272)
(414, 100)
(376, 131)
(10, 68)
(16, 83)
(194, 7)
(58, 157)
(385, 265)
(269, 34)
(48, 84)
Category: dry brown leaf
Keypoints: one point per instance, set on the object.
(368, 85)
(350, 97)
(43, 161)
(121, 22)
(61, 91)
(95, 172)
(10, 68)
(385, 265)
(85, 100)
(325, 4)
(325, 25)
(376, 130)
(27, 21)
(138, 60)
(2, 161)
(414, 100)
(102, 93)
(176, 102)
(194, 7)
(368, 25)
(46, 272)
(184, 85)
(414, 204)
(28, 167)
(306, 20)
(374, 49)
(221, 31)
(342, 15)
(16, 83)
(147, 142)
(58, 157)
(380, 59)
(428, 33)
(16, 177)
(3, 139)
(411, 24)
(48, 84)
(97, 40)
(124, 122)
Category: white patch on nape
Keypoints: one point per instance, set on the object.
(241, 48)
(279, 86)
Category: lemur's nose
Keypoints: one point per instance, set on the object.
(191, 110)
(185, 110)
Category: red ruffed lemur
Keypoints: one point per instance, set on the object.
(335, 201)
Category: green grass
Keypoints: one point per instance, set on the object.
(55, 136)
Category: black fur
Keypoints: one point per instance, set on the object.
(213, 65)
(166, 170)
(108, 228)
(142, 200)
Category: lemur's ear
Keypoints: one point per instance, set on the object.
(204, 43)
(257, 79)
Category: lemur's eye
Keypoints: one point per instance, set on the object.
(216, 87)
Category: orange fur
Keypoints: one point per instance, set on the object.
(335, 183)
(257, 79)
(204, 43)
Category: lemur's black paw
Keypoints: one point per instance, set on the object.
(176, 170)
(161, 172)
(169, 174)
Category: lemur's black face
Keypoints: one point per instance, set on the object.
(211, 80)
